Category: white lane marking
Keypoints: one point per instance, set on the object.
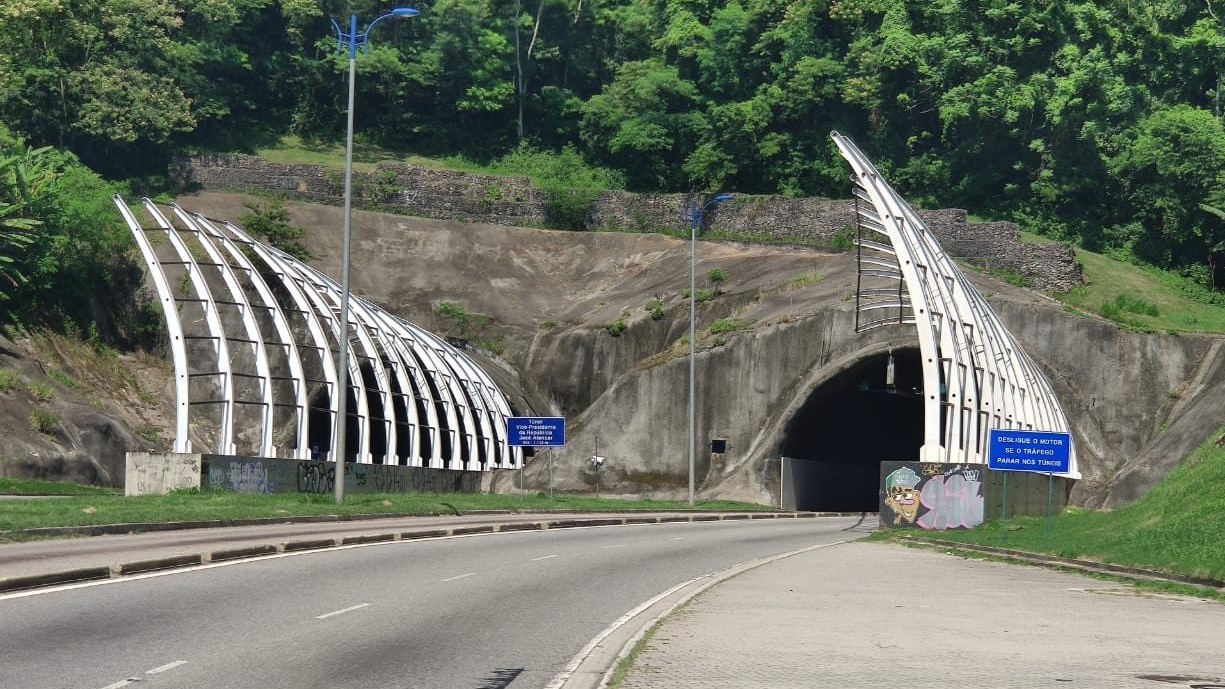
(546, 557)
(122, 683)
(619, 545)
(341, 612)
(565, 674)
(678, 538)
(167, 666)
(561, 679)
(42, 591)
(462, 576)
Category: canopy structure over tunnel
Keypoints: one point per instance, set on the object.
(254, 337)
(975, 376)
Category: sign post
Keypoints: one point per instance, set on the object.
(1044, 452)
(536, 431)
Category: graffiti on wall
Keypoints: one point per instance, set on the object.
(931, 496)
(267, 475)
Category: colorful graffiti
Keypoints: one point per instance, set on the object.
(931, 496)
(901, 496)
(292, 476)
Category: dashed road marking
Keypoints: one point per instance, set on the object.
(462, 576)
(334, 613)
(546, 557)
(167, 666)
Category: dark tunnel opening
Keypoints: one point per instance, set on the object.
(836, 441)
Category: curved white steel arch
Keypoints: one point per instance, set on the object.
(440, 389)
(178, 347)
(216, 332)
(297, 376)
(975, 374)
(246, 314)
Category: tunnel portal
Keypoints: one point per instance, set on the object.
(851, 423)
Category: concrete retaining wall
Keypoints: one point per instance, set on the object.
(151, 473)
(513, 201)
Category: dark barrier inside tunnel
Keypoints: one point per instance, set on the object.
(847, 427)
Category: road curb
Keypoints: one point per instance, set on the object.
(148, 527)
(119, 570)
(594, 666)
(1055, 562)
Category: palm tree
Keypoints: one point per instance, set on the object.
(23, 174)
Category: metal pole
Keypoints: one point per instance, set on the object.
(694, 219)
(550, 476)
(1004, 505)
(342, 376)
(782, 480)
(1050, 502)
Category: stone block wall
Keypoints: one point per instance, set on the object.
(514, 201)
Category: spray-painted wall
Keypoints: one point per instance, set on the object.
(158, 473)
(936, 497)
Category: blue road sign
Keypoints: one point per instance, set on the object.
(536, 431)
(1041, 451)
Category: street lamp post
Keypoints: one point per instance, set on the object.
(697, 211)
(351, 40)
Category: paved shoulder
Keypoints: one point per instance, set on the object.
(871, 615)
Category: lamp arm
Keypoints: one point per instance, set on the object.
(366, 43)
(340, 36)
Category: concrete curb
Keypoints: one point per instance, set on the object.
(1055, 562)
(148, 527)
(594, 666)
(118, 570)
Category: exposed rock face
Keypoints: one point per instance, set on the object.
(1138, 403)
(77, 424)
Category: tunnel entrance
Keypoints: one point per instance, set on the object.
(850, 424)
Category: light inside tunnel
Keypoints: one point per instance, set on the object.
(850, 424)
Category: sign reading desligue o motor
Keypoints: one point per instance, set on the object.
(536, 431)
(1045, 452)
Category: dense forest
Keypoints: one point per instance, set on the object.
(1095, 122)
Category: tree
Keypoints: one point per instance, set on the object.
(1171, 164)
(645, 122)
(24, 176)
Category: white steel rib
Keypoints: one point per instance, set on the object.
(273, 320)
(975, 375)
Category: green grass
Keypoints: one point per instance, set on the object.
(1141, 298)
(14, 486)
(1176, 527)
(727, 325)
(9, 379)
(223, 505)
(291, 150)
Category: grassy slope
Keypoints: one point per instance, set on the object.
(10, 486)
(1179, 526)
(211, 505)
(1108, 279)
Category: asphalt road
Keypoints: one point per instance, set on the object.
(488, 611)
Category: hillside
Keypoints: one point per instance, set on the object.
(776, 339)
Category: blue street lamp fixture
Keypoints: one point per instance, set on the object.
(352, 40)
(697, 212)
